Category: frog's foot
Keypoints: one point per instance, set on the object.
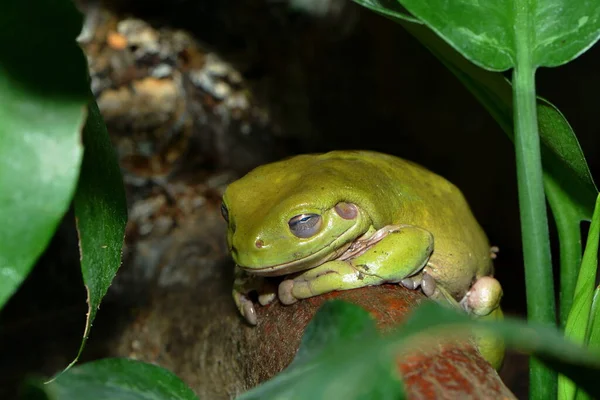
(245, 307)
(334, 275)
(401, 252)
(483, 297)
(483, 302)
(245, 284)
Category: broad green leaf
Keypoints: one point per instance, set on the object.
(101, 214)
(347, 364)
(486, 32)
(43, 94)
(111, 379)
(577, 326)
(564, 29)
(331, 361)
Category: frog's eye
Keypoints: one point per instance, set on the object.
(305, 225)
(225, 212)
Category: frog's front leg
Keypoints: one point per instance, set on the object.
(402, 252)
(244, 284)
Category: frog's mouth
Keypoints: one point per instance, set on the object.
(344, 252)
(301, 264)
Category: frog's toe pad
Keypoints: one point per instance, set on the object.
(483, 297)
(428, 285)
(266, 298)
(285, 292)
(411, 283)
(246, 307)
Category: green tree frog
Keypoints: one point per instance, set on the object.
(348, 219)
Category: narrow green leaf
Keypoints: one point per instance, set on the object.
(332, 361)
(593, 335)
(389, 8)
(101, 215)
(42, 110)
(115, 378)
(571, 193)
(544, 342)
(577, 326)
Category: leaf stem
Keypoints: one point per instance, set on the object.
(534, 220)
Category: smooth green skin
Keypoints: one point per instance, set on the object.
(426, 228)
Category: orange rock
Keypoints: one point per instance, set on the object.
(116, 40)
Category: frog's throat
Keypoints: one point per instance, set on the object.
(346, 251)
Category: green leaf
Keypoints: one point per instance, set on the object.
(593, 338)
(545, 343)
(113, 378)
(101, 215)
(578, 322)
(389, 8)
(486, 33)
(331, 359)
(564, 30)
(335, 321)
(351, 363)
(43, 94)
(593, 334)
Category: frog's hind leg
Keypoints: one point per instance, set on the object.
(482, 301)
(401, 253)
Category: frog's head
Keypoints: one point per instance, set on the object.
(290, 216)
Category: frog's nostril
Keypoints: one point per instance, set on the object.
(233, 250)
(259, 244)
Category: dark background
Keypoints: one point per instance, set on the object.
(347, 79)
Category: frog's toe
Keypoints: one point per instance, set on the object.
(412, 282)
(483, 297)
(266, 298)
(245, 307)
(428, 285)
(285, 292)
(267, 293)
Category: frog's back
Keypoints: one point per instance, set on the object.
(407, 193)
